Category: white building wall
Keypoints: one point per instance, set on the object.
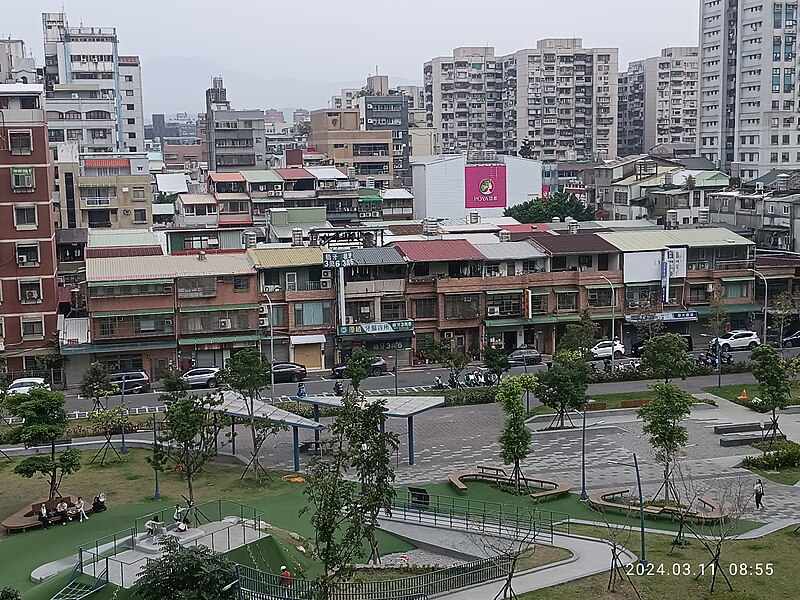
(131, 95)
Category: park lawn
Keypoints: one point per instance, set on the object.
(129, 486)
(733, 391)
(566, 505)
(782, 549)
(612, 401)
(788, 476)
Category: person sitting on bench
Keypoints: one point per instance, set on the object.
(61, 509)
(99, 503)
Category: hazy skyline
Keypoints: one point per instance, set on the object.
(285, 55)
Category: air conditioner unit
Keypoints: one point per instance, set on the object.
(710, 287)
(277, 187)
(270, 193)
(493, 311)
(2, 345)
(327, 274)
(349, 320)
(224, 323)
(448, 335)
(263, 322)
(363, 215)
(75, 96)
(22, 259)
(31, 295)
(263, 309)
(167, 322)
(364, 309)
(124, 190)
(271, 288)
(325, 284)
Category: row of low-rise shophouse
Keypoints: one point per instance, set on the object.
(198, 308)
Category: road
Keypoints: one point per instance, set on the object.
(416, 377)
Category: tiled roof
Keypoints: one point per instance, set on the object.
(385, 255)
(294, 173)
(405, 228)
(225, 177)
(197, 199)
(166, 267)
(438, 250)
(123, 251)
(277, 258)
(579, 243)
(637, 241)
(107, 162)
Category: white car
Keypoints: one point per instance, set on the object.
(26, 384)
(738, 339)
(604, 349)
(204, 377)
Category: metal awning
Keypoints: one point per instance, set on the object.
(739, 278)
(296, 340)
(539, 292)
(218, 308)
(566, 290)
(498, 292)
(219, 339)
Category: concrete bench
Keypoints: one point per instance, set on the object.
(737, 428)
(747, 439)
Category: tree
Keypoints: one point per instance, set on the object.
(304, 129)
(542, 210)
(649, 325)
(579, 337)
(452, 360)
(358, 367)
(44, 421)
(247, 372)
(526, 149)
(774, 378)
(662, 422)
(109, 420)
(187, 573)
(189, 437)
(718, 315)
(783, 310)
(96, 385)
(496, 362)
(563, 387)
(515, 439)
(666, 357)
(8, 593)
(371, 449)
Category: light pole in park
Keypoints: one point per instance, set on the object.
(271, 352)
(339, 261)
(766, 302)
(613, 315)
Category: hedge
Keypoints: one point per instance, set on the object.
(781, 454)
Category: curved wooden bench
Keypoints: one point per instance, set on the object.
(559, 488)
(483, 472)
(600, 500)
(28, 518)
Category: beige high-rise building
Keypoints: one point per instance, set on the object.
(658, 101)
(560, 96)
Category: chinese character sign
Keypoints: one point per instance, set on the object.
(485, 186)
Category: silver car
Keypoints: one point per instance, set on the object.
(204, 377)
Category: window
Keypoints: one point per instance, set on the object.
(599, 297)
(121, 362)
(98, 115)
(462, 306)
(108, 326)
(241, 283)
(128, 77)
(22, 179)
(393, 310)
(425, 308)
(312, 313)
(129, 92)
(30, 291)
(32, 328)
(138, 194)
(197, 287)
(130, 107)
(786, 209)
(55, 135)
(539, 303)
(278, 315)
(425, 340)
(25, 217)
(28, 255)
(131, 135)
(736, 290)
(75, 134)
(567, 300)
(20, 142)
(140, 215)
(130, 121)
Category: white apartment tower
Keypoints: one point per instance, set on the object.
(658, 101)
(748, 86)
(559, 96)
(78, 55)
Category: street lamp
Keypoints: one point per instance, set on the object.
(271, 352)
(635, 465)
(123, 448)
(613, 315)
(766, 302)
(584, 495)
(155, 441)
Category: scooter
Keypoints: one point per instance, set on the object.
(490, 379)
(453, 382)
(478, 377)
(338, 388)
(437, 383)
(469, 380)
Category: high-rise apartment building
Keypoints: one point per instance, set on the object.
(16, 66)
(301, 115)
(28, 281)
(235, 138)
(75, 55)
(390, 113)
(559, 96)
(748, 86)
(658, 101)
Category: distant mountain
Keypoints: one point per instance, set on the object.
(172, 84)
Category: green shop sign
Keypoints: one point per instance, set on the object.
(390, 327)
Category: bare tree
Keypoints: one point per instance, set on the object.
(619, 537)
(510, 546)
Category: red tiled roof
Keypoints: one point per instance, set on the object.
(226, 177)
(438, 250)
(407, 229)
(129, 60)
(107, 162)
(294, 173)
(525, 227)
(122, 251)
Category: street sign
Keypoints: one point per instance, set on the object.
(335, 260)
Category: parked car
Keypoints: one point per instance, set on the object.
(205, 377)
(738, 339)
(24, 385)
(378, 367)
(286, 371)
(132, 382)
(525, 356)
(605, 348)
(638, 348)
(792, 340)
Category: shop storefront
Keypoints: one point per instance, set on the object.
(391, 340)
(213, 351)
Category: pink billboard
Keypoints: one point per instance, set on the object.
(485, 186)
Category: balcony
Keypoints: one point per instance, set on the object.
(373, 288)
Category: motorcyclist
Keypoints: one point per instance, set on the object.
(338, 388)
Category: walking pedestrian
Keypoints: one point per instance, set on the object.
(81, 510)
(758, 489)
(44, 518)
(286, 582)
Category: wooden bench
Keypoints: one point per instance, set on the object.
(559, 488)
(601, 500)
(28, 518)
(633, 403)
(482, 473)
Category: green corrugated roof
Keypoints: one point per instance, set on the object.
(731, 308)
(219, 339)
(368, 192)
(140, 311)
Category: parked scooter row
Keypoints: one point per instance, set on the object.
(476, 378)
(619, 367)
(709, 359)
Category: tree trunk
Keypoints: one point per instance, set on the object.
(54, 472)
(190, 485)
(254, 440)
(666, 480)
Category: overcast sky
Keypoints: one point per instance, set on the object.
(291, 53)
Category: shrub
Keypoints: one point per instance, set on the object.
(781, 454)
(484, 395)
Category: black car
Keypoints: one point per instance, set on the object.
(638, 348)
(791, 340)
(378, 367)
(286, 371)
(525, 356)
(132, 382)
